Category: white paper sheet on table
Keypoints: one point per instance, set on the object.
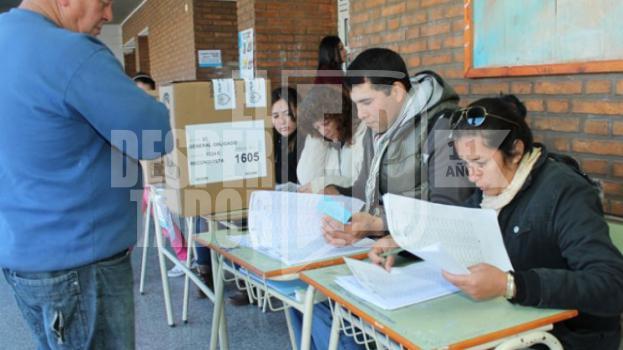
(401, 287)
(434, 231)
(287, 226)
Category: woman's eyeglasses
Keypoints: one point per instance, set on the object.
(474, 117)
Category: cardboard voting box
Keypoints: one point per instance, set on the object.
(223, 145)
(153, 170)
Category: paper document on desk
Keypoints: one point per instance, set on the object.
(453, 238)
(287, 226)
(401, 287)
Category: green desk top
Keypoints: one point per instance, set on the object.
(257, 262)
(616, 233)
(453, 321)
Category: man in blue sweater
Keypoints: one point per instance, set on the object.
(73, 127)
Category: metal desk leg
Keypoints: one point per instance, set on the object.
(217, 316)
(287, 310)
(335, 327)
(307, 318)
(163, 269)
(146, 224)
(190, 230)
(219, 305)
(529, 339)
(222, 329)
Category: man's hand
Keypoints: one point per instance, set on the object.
(483, 283)
(381, 246)
(360, 226)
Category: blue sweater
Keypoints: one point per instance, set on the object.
(64, 201)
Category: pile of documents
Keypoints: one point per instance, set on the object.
(402, 286)
(446, 237)
(287, 226)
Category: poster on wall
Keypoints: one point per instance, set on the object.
(245, 49)
(210, 59)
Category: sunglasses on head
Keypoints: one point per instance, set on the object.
(474, 117)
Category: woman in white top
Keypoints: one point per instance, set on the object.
(333, 151)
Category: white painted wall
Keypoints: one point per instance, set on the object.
(111, 36)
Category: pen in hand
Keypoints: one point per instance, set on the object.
(387, 254)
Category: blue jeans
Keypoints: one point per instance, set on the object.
(321, 329)
(90, 307)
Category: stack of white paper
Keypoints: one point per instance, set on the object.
(287, 226)
(452, 238)
(401, 287)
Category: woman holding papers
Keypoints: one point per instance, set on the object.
(333, 151)
(552, 224)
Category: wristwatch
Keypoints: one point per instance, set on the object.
(510, 286)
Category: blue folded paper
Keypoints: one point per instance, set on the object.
(334, 209)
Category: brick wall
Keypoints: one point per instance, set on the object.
(142, 54)
(178, 28)
(129, 60)
(216, 28)
(287, 33)
(578, 114)
(245, 10)
(171, 38)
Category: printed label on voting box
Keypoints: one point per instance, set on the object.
(221, 152)
(224, 94)
(255, 92)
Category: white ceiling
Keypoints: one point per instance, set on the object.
(122, 8)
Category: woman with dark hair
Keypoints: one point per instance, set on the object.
(283, 116)
(331, 57)
(333, 151)
(552, 224)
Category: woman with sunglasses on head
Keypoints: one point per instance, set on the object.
(551, 221)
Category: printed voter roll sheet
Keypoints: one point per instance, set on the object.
(402, 286)
(287, 226)
(453, 238)
(220, 152)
